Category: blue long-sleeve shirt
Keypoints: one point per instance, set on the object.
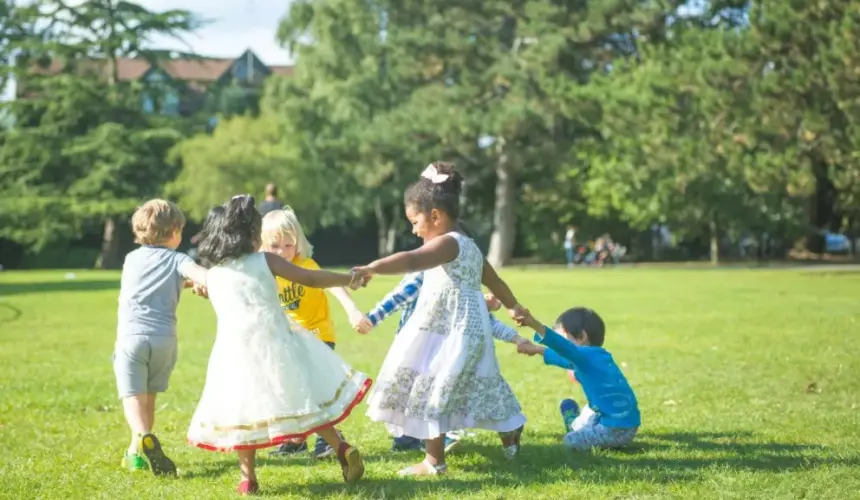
(405, 295)
(608, 392)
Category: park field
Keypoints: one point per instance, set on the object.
(748, 382)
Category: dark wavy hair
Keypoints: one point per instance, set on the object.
(582, 319)
(231, 233)
(425, 195)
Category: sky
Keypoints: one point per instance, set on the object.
(234, 25)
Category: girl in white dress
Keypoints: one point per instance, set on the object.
(268, 380)
(441, 373)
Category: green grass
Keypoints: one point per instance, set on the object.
(748, 382)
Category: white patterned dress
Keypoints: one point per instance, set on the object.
(441, 373)
(268, 380)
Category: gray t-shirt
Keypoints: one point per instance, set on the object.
(269, 205)
(149, 292)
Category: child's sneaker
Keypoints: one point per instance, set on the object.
(290, 449)
(322, 450)
(451, 442)
(569, 411)
(161, 465)
(134, 462)
(406, 443)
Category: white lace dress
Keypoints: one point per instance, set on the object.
(268, 380)
(441, 373)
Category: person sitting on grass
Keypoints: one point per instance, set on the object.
(611, 418)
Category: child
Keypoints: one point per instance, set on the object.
(441, 373)
(404, 296)
(145, 354)
(268, 380)
(283, 235)
(611, 418)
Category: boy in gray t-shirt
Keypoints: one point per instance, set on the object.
(153, 276)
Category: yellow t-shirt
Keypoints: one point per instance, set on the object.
(307, 306)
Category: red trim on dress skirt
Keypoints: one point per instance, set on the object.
(275, 441)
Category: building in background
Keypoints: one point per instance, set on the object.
(183, 86)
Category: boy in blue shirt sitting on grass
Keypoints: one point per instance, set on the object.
(611, 417)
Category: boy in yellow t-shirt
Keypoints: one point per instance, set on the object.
(282, 234)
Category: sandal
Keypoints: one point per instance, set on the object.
(248, 487)
(512, 450)
(425, 468)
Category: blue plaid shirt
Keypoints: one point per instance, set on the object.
(405, 295)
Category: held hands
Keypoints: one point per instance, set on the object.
(529, 349)
(493, 303)
(360, 322)
(521, 315)
(200, 290)
(360, 277)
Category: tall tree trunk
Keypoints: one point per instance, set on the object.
(109, 256)
(391, 239)
(504, 211)
(823, 205)
(386, 232)
(715, 243)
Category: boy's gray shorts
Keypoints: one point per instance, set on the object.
(143, 363)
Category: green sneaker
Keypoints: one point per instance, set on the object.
(134, 462)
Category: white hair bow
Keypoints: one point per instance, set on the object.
(433, 175)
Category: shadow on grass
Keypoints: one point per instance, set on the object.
(9, 289)
(9, 313)
(655, 458)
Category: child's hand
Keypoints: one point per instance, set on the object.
(187, 284)
(360, 277)
(520, 315)
(493, 303)
(520, 340)
(360, 322)
(364, 326)
(529, 349)
(200, 291)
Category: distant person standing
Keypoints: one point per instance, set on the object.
(271, 202)
(570, 245)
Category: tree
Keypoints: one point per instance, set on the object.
(242, 155)
(353, 72)
(106, 155)
(810, 94)
(500, 96)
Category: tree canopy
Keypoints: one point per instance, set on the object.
(718, 119)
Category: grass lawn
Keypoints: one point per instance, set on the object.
(748, 383)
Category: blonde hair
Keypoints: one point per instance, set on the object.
(284, 223)
(155, 222)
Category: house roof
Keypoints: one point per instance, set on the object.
(200, 70)
(203, 69)
(282, 70)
